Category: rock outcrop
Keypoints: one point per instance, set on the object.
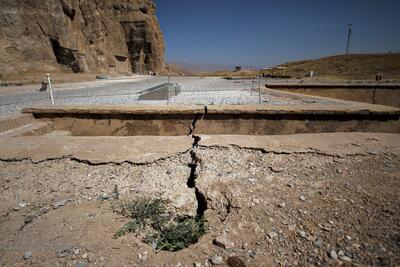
(113, 36)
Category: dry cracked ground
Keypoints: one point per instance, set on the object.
(269, 208)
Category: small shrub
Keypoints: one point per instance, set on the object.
(162, 230)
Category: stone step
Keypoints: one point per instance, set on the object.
(13, 122)
(31, 129)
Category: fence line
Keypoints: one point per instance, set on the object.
(112, 95)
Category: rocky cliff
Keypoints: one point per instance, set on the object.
(110, 36)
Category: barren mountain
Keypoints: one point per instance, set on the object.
(81, 36)
(355, 66)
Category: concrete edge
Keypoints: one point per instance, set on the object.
(358, 108)
(333, 144)
(330, 86)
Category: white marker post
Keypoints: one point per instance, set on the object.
(259, 88)
(252, 86)
(50, 90)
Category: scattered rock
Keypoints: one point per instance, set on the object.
(272, 234)
(29, 219)
(223, 242)
(102, 77)
(65, 251)
(113, 195)
(333, 255)
(302, 234)
(60, 203)
(81, 264)
(143, 256)
(196, 264)
(28, 255)
(44, 210)
(282, 205)
(216, 260)
(302, 198)
(235, 261)
(252, 254)
(318, 243)
(22, 205)
(345, 258)
(104, 197)
(276, 169)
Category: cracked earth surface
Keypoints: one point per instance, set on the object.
(281, 209)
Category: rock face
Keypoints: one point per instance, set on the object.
(114, 36)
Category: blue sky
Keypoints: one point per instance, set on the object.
(265, 33)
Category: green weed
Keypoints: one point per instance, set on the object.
(162, 230)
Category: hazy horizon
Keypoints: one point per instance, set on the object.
(266, 33)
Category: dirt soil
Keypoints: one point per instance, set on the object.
(353, 66)
(278, 208)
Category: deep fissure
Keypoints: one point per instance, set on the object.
(194, 165)
(191, 183)
(198, 116)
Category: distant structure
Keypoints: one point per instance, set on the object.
(275, 72)
(349, 39)
(238, 68)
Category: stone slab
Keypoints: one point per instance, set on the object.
(95, 150)
(324, 143)
(148, 149)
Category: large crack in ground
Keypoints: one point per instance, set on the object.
(195, 167)
(197, 117)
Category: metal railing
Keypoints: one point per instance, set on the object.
(168, 92)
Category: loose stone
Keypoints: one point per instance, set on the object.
(28, 255)
(333, 255)
(81, 264)
(223, 242)
(216, 260)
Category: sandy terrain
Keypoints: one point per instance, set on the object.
(300, 200)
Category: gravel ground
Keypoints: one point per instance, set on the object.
(295, 209)
(195, 91)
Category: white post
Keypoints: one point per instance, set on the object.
(259, 88)
(252, 86)
(51, 91)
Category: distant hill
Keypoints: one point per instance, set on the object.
(201, 69)
(353, 66)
